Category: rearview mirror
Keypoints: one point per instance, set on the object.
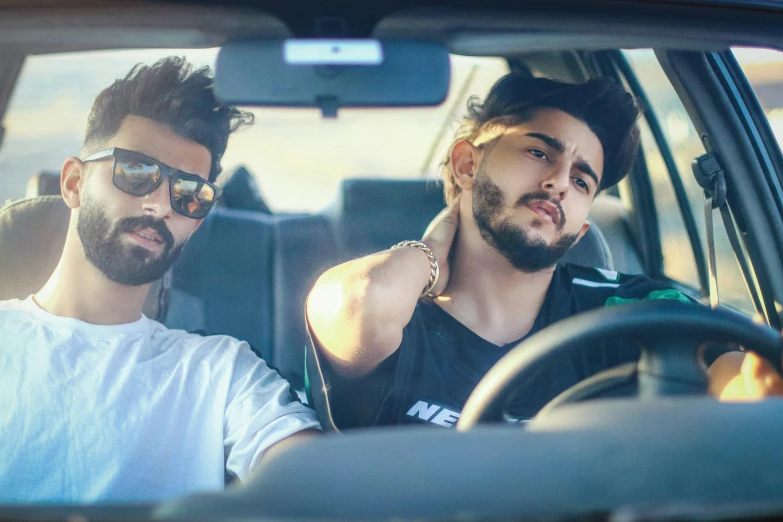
(329, 74)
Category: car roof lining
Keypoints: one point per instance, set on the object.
(131, 26)
(563, 65)
(504, 32)
(481, 32)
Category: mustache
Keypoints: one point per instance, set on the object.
(129, 224)
(530, 197)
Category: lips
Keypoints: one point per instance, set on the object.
(546, 209)
(148, 238)
(148, 233)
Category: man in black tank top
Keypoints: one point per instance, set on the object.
(405, 335)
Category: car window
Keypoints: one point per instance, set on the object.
(764, 70)
(297, 156)
(685, 145)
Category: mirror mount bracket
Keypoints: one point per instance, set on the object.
(328, 105)
(331, 27)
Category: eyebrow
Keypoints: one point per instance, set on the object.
(557, 145)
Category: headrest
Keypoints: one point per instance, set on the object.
(592, 250)
(32, 236)
(374, 214)
(45, 183)
(361, 197)
(241, 191)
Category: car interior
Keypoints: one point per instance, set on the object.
(256, 290)
(247, 270)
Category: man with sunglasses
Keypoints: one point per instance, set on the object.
(100, 403)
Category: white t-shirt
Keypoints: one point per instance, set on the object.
(130, 413)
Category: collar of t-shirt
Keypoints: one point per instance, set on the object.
(87, 330)
(556, 306)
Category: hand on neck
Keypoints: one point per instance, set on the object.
(488, 294)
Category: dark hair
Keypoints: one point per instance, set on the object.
(605, 107)
(169, 92)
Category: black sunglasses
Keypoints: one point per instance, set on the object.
(139, 175)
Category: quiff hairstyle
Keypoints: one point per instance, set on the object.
(605, 107)
(172, 93)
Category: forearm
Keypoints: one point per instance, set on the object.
(358, 310)
(288, 442)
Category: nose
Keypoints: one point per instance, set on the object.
(158, 203)
(557, 182)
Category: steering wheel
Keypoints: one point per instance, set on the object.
(669, 333)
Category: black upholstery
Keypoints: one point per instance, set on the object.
(241, 191)
(306, 248)
(373, 214)
(223, 280)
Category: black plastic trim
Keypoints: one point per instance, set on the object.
(767, 146)
(712, 102)
(671, 166)
(644, 213)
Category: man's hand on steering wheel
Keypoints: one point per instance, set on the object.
(740, 376)
(668, 334)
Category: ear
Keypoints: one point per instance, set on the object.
(464, 160)
(582, 232)
(72, 177)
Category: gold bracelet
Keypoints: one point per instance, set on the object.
(434, 269)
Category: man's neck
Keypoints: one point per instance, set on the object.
(78, 290)
(487, 294)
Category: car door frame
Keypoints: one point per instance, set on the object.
(711, 88)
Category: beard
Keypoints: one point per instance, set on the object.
(524, 251)
(130, 265)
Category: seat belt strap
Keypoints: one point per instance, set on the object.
(709, 174)
(742, 261)
(712, 262)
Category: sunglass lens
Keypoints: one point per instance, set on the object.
(136, 178)
(192, 198)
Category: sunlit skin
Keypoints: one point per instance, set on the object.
(739, 377)
(484, 291)
(77, 289)
(554, 153)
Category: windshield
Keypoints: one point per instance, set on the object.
(48, 111)
(169, 332)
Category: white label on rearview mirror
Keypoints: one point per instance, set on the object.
(332, 52)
